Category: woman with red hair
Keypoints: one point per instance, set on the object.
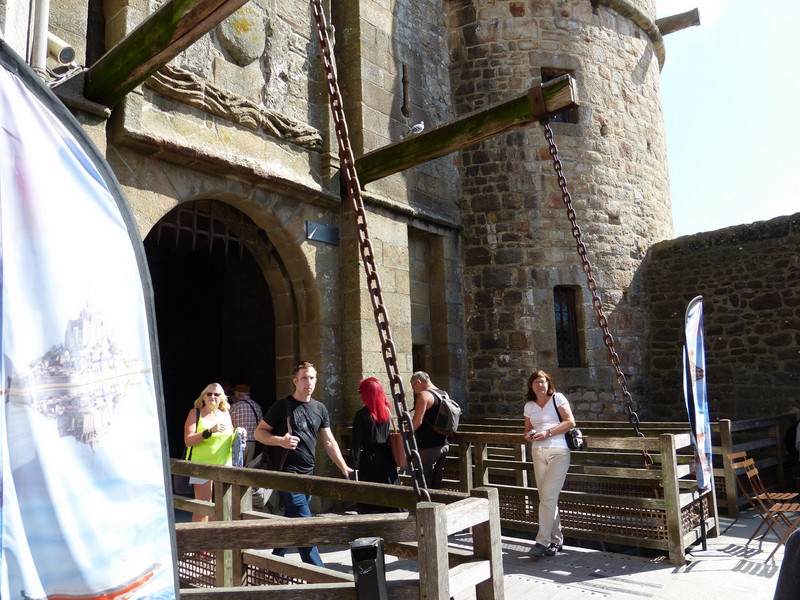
(372, 456)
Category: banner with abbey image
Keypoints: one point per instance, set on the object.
(85, 512)
(694, 391)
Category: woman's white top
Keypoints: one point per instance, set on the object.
(546, 418)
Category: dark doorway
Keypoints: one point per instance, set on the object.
(213, 306)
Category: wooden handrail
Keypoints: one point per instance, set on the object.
(428, 528)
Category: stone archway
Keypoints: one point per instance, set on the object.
(218, 284)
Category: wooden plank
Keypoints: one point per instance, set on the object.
(468, 575)
(487, 544)
(465, 466)
(264, 559)
(648, 474)
(588, 498)
(672, 501)
(466, 513)
(165, 33)
(541, 102)
(481, 472)
(434, 568)
(615, 538)
(754, 445)
(397, 590)
(410, 551)
(289, 533)
(223, 505)
(200, 507)
(731, 491)
(761, 422)
(592, 442)
(326, 487)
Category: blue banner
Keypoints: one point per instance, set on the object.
(85, 512)
(694, 391)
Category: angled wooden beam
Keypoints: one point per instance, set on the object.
(673, 23)
(541, 102)
(175, 26)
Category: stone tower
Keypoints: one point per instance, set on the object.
(527, 304)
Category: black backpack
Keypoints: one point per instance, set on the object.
(446, 421)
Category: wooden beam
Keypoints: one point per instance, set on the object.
(677, 22)
(541, 102)
(289, 533)
(175, 26)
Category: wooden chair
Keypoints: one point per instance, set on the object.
(775, 513)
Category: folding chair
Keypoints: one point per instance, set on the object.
(774, 514)
(755, 492)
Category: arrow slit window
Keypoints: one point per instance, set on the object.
(568, 331)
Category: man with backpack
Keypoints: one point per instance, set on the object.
(431, 437)
(246, 413)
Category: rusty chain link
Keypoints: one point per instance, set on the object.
(348, 171)
(608, 339)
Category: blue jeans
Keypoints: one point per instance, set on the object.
(296, 505)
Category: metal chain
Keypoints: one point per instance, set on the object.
(608, 340)
(348, 171)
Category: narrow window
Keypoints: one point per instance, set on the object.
(567, 337)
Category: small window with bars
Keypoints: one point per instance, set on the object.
(567, 330)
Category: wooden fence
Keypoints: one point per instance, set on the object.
(240, 569)
(762, 439)
(609, 495)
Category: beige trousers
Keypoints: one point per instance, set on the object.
(550, 466)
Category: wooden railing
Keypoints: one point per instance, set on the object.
(762, 438)
(609, 495)
(238, 536)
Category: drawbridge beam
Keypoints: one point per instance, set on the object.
(175, 26)
(541, 102)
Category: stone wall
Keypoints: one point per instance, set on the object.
(749, 277)
(518, 243)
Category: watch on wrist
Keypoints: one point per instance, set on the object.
(206, 434)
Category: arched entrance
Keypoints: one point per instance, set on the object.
(214, 309)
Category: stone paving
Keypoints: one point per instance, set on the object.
(726, 570)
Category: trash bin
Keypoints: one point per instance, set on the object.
(369, 568)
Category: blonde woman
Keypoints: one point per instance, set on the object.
(208, 434)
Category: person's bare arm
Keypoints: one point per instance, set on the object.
(190, 435)
(528, 432)
(567, 420)
(263, 434)
(333, 450)
(423, 402)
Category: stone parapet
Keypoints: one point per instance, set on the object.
(749, 277)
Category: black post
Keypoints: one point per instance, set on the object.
(369, 568)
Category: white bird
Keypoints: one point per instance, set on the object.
(416, 128)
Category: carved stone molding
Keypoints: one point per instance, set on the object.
(188, 88)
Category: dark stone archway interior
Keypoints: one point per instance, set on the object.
(215, 324)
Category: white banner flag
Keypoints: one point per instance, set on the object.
(694, 391)
(85, 511)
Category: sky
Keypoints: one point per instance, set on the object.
(730, 90)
